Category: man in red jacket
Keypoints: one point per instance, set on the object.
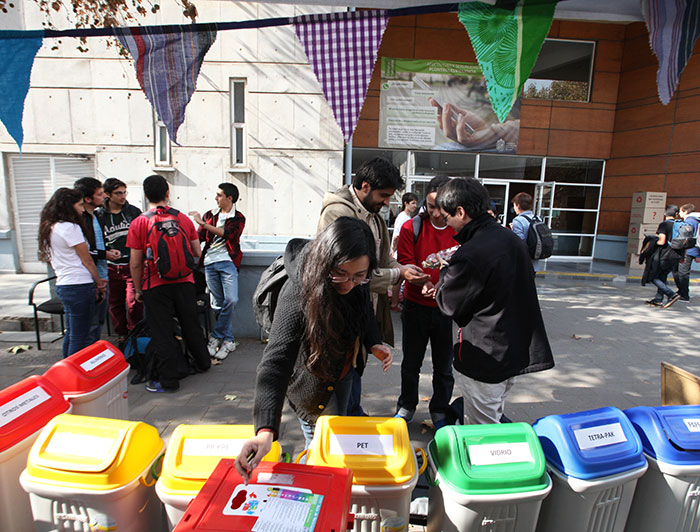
(221, 230)
(422, 320)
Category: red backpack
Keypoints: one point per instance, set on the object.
(167, 245)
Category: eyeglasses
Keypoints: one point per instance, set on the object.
(339, 279)
(120, 193)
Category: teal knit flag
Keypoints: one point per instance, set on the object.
(15, 72)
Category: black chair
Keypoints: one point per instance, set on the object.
(203, 304)
(50, 306)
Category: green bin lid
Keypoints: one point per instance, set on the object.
(489, 459)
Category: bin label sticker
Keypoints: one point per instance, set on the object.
(83, 445)
(97, 360)
(212, 447)
(22, 404)
(692, 424)
(372, 444)
(277, 508)
(275, 478)
(499, 453)
(599, 436)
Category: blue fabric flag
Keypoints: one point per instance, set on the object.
(15, 72)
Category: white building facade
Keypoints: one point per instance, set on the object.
(258, 119)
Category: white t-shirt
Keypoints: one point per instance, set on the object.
(401, 219)
(217, 251)
(64, 259)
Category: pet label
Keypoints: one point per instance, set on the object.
(97, 360)
(22, 404)
(599, 436)
(372, 444)
(499, 453)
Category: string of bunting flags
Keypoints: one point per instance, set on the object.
(342, 50)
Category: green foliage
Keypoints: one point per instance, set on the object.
(576, 91)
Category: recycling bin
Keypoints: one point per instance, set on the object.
(486, 477)
(94, 380)
(383, 463)
(278, 496)
(25, 407)
(192, 454)
(594, 459)
(668, 495)
(89, 473)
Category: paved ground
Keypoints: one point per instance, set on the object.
(608, 346)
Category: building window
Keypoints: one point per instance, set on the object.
(161, 144)
(562, 72)
(238, 133)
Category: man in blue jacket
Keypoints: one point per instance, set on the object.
(681, 274)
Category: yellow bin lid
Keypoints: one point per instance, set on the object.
(377, 449)
(92, 453)
(194, 452)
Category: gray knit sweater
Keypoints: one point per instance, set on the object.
(282, 370)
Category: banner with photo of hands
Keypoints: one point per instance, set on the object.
(441, 105)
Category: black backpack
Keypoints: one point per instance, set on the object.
(540, 242)
(267, 292)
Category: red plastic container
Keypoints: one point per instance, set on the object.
(94, 380)
(226, 504)
(25, 408)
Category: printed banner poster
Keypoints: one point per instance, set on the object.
(441, 105)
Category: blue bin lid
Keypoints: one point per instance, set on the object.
(669, 434)
(592, 444)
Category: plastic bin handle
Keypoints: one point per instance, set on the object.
(300, 455)
(286, 458)
(154, 475)
(424, 463)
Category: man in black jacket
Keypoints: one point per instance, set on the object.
(488, 289)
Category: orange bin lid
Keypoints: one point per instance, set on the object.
(88, 369)
(25, 407)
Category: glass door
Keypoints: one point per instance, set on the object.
(544, 201)
(498, 191)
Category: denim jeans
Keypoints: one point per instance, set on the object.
(337, 406)
(662, 288)
(99, 318)
(681, 276)
(79, 307)
(222, 282)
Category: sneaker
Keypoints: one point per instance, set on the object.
(155, 387)
(672, 300)
(405, 414)
(654, 303)
(213, 345)
(225, 349)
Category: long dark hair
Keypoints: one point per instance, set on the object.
(334, 321)
(58, 209)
